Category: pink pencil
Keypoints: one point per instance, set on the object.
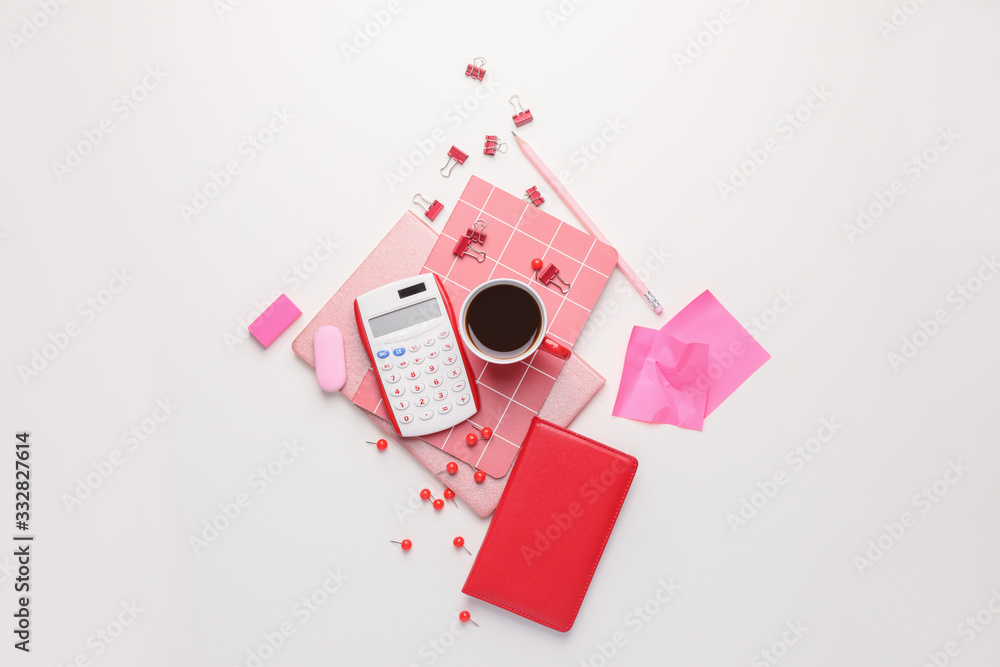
(587, 222)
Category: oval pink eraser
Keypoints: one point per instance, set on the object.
(331, 366)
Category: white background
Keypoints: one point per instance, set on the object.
(653, 188)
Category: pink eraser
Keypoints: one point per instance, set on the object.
(331, 364)
(273, 321)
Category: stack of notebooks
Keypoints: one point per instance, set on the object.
(544, 386)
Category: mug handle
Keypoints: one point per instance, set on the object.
(552, 347)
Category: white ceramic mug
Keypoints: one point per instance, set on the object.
(541, 340)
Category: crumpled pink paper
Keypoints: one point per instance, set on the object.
(669, 378)
(659, 382)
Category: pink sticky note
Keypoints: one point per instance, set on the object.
(733, 354)
(273, 321)
(683, 372)
(660, 382)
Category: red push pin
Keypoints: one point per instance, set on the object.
(480, 477)
(472, 438)
(537, 264)
(426, 495)
(451, 468)
(465, 617)
(381, 444)
(405, 544)
(450, 495)
(459, 543)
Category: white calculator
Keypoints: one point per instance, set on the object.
(409, 330)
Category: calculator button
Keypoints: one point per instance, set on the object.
(436, 382)
(400, 405)
(430, 340)
(402, 363)
(463, 399)
(393, 378)
(406, 419)
(458, 386)
(440, 395)
(445, 408)
(422, 401)
(412, 375)
(426, 414)
(386, 365)
(451, 358)
(382, 354)
(418, 359)
(433, 368)
(447, 346)
(414, 347)
(397, 391)
(454, 373)
(433, 354)
(418, 388)
(443, 334)
(399, 351)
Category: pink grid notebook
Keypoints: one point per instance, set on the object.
(516, 232)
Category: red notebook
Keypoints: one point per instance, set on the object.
(551, 526)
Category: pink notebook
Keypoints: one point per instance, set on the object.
(398, 255)
(516, 232)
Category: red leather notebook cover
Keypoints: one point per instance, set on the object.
(551, 525)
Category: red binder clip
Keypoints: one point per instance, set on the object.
(453, 154)
(476, 233)
(493, 144)
(475, 70)
(462, 249)
(535, 197)
(521, 115)
(430, 210)
(548, 274)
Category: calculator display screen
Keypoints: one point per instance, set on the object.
(417, 313)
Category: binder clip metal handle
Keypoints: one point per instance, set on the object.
(493, 145)
(455, 157)
(477, 233)
(534, 196)
(521, 115)
(462, 249)
(475, 69)
(431, 209)
(550, 273)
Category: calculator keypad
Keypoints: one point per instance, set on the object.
(424, 380)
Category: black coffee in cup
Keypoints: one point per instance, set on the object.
(503, 321)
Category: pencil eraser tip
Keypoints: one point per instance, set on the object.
(658, 310)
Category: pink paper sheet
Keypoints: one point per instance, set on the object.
(659, 382)
(667, 380)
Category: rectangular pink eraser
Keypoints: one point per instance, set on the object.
(273, 321)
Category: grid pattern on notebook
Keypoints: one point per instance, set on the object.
(510, 394)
